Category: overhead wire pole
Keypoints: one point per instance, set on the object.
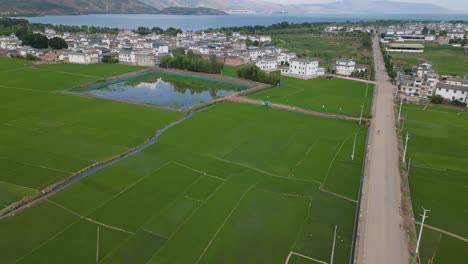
(421, 230)
(97, 246)
(399, 111)
(406, 148)
(333, 247)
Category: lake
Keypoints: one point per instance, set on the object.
(132, 21)
(166, 90)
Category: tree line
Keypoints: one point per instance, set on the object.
(39, 41)
(254, 73)
(171, 31)
(190, 61)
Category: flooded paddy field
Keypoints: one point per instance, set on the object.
(171, 90)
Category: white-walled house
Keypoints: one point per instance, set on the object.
(452, 92)
(83, 57)
(456, 81)
(344, 67)
(126, 56)
(303, 68)
(139, 58)
(10, 42)
(146, 58)
(267, 64)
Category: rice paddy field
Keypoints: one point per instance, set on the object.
(446, 59)
(234, 183)
(45, 136)
(439, 179)
(320, 94)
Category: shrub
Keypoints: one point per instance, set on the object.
(436, 99)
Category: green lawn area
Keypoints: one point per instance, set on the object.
(234, 183)
(47, 136)
(11, 64)
(337, 95)
(328, 48)
(230, 70)
(21, 74)
(439, 173)
(446, 59)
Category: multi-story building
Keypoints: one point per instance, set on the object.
(344, 67)
(83, 57)
(303, 68)
(452, 92)
(267, 63)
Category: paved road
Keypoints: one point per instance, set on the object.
(382, 239)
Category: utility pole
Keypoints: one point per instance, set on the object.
(421, 230)
(360, 117)
(97, 246)
(406, 147)
(399, 111)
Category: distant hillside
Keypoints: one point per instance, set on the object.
(211, 7)
(191, 11)
(375, 7)
(224, 5)
(42, 7)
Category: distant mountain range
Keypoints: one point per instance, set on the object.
(373, 7)
(56, 7)
(211, 7)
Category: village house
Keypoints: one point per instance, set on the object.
(303, 68)
(443, 40)
(400, 47)
(267, 63)
(344, 67)
(9, 42)
(452, 92)
(53, 56)
(420, 82)
(83, 57)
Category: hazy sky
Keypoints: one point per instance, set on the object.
(461, 5)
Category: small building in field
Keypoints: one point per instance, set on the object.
(403, 47)
(304, 68)
(344, 67)
(83, 57)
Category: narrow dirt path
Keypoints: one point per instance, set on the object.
(241, 99)
(50, 190)
(350, 78)
(444, 232)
